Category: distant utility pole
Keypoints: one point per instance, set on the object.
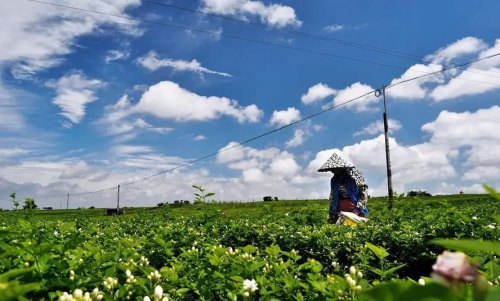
(118, 200)
(378, 93)
(67, 202)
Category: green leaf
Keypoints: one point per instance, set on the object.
(381, 253)
(492, 192)
(408, 291)
(469, 245)
(13, 290)
(24, 224)
(215, 260)
(182, 291)
(394, 269)
(273, 251)
(497, 218)
(13, 274)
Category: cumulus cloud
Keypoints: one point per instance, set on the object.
(73, 92)
(39, 35)
(377, 127)
(299, 136)
(152, 62)
(168, 100)
(259, 165)
(476, 81)
(273, 14)
(199, 137)
(415, 89)
(317, 93)
(475, 130)
(118, 120)
(285, 117)
(355, 90)
(461, 47)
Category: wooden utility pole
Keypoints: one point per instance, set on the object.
(67, 202)
(387, 151)
(118, 201)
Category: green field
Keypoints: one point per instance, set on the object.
(279, 250)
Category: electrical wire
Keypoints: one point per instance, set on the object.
(343, 42)
(218, 34)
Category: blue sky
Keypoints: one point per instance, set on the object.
(90, 101)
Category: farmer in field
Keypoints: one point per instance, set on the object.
(348, 190)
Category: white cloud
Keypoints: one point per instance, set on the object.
(355, 90)
(11, 118)
(477, 82)
(317, 93)
(152, 63)
(334, 27)
(74, 91)
(464, 46)
(13, 152)
(480, 77)
(131, 149)
(119, 121)
(415, 89)
(284, 117)
(256, 165)
(273, 14)
(377, 127)
(459, 154)
(299, 136)
(114, 55)
(168, 100)
(199, 137)
(39, 35)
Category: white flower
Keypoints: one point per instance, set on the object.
(128, 273)
(491, 226)
(474, 218)
(359, 274)
(421, 281)
(158, 293)
(147, 298)
(250, 285)
(246, 294)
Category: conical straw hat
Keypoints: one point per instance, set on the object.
(335, 163)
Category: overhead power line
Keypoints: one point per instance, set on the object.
(291, 31)
(234, 37)
(242, 143)
(366, 47)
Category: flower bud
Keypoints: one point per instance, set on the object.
(158, 292)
